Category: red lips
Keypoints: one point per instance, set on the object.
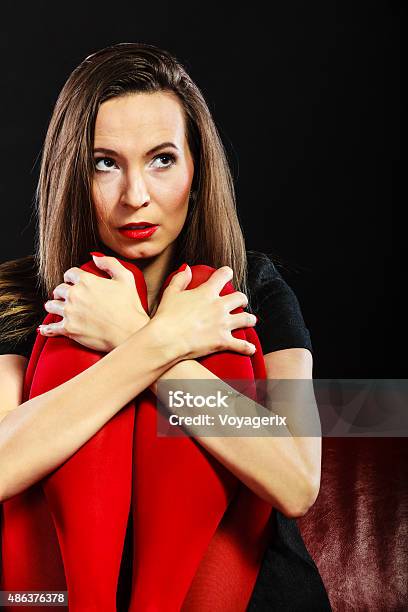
(139, 224)
(138, 233)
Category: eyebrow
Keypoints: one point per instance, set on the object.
(156, 148)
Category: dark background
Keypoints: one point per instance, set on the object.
(307, 103)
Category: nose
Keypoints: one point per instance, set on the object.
(135, 193)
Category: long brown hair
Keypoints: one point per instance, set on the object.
(65, 213)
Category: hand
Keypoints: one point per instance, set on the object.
(99, 313)
(200, 318)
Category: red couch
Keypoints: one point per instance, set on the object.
(356, 531)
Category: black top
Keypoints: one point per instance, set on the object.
(288, 579)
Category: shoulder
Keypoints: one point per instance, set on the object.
(261, 268)
(265, 280)
(280, 320)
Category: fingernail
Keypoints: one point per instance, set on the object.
(38, 328)
(183, 267)
(97, 254)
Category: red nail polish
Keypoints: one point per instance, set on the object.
(97, 254)
(38, 329)
(183, 267)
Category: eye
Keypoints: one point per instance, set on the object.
(168, 156)
(104, 164)
(108, 163)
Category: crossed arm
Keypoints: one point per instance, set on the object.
(284, 470)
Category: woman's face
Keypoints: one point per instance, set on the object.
(134, 184)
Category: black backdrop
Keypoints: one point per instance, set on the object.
(306, 99)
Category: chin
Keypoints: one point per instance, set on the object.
(132, 250)
(141, 251)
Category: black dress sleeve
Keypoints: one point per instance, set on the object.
(280, 322)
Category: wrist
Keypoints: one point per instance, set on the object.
(124, 333)
(168, 340)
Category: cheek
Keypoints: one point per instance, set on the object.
(177, 210)
(178, 190)
(106, 186)
(180, 198)
(102, 197)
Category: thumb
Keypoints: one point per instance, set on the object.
(110, 265)
(182, 278)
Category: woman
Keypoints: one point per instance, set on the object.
(122, 112)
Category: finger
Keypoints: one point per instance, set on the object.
(55, 307)
(242, 346)
(235, 300)
(52, 329)
(242, 319)
(219, 279)
(113, 267)
(74, 275)
(61, 291)
(182, 278)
